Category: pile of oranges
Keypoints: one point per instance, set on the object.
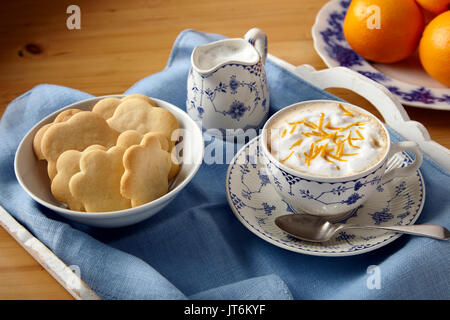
(389, 31)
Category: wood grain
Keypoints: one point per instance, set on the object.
(21, 277)
(121, 42)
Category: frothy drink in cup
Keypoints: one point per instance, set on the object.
(327, 139)
(327, 157)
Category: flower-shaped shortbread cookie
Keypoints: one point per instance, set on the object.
(79, 132)
(147, 168)
(132, 137)
(67, 165)
(97, 185)
(106, 107)
(63, 116)
(137, 113)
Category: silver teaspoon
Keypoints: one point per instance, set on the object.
(316, 229)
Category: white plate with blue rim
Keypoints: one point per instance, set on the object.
(256, 205)
(407, 80)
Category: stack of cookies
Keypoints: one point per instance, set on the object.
(115, 157)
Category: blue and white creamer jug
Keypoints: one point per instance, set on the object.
(227, 84)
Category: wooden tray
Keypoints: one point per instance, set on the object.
(389, 107)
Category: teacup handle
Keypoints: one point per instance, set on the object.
(258, 39)
(410, 169)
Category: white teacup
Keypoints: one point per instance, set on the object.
(327, 195)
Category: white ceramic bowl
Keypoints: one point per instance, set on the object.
(32, 173)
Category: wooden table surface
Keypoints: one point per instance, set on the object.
(121, 42)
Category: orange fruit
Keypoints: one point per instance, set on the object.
(383, 31)
(435, 6)
(434, 48)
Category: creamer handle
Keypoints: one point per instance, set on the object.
(258, 39)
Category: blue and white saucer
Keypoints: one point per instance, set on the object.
(256, 204)
(407, 80)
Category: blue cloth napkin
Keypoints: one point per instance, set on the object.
(196, 248)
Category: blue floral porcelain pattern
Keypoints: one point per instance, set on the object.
(246, 90)
(336, 190)
(253, 200)
(350, 193)
(333, 42)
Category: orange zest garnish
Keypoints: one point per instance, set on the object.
(336, 158)
(328, 159)
(336, 136)
(311, 150)
(293, 128)
(359, 134)
(339, 148)
(328, 136)
(375, 142)
(333, 128)
(309, 155)
(349, 139)
(322, 116)
(296, 122)
(349, 126)
(287, 156)
(346, 112)
(324, 131)
(349, 154)
(312, 133)
(324, 150)
(315, 155)
(310, 124)
(296, 143)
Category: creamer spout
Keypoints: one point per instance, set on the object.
(208, 58)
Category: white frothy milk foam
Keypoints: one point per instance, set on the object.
(327, 139)
(227, 51)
